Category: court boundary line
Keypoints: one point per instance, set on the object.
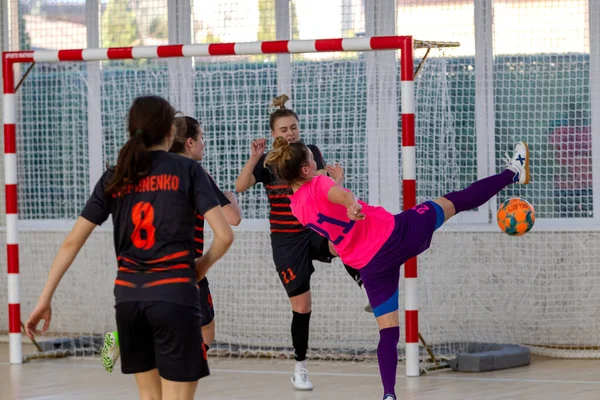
(351, 375)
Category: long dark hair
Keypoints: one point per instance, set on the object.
(187, 127)
(150, 120)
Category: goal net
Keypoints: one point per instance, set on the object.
(71, 120)
(486, 293)
(475, 284)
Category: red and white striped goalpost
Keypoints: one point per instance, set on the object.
(10, 185)
(402, 43)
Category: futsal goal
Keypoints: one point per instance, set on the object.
(64, 120)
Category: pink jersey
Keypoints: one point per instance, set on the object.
(355, 241)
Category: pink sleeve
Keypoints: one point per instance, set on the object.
(322, 184)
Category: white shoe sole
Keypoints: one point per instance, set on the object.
(527, 173)
(301, 389)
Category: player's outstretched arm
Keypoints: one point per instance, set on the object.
(223, 238)
(346, 198)
(63, 260)
(246, 178)
(232, 211)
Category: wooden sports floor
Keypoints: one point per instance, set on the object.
(73, 378)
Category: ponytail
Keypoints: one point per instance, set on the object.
(287, 159)
(150, 122)
(134, 154)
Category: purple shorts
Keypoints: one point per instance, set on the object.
(411, 236)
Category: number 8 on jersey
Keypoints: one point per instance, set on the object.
(142, 216)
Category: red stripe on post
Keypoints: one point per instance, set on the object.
(408, 129)
(14, 318)
(12, 256)
(8, 59)
(329, 45)
(8, 79)
(70, 55)
(410, 268)
(278, 46)
(19, 56)
(409, 193)
(170, 51)
(10, 141)
(407, 68)
(120, 53)
(412, 326)
(11, 198)
(387, 42)
(221, 49)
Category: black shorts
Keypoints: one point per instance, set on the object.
(207, 312)
(161, 335)
(293, 256)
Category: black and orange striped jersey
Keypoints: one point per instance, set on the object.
(199, 220)
(280, 217)
(153, 223)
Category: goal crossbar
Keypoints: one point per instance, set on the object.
(405, 44)
(375, 43)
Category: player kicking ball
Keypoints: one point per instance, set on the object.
(373, 240)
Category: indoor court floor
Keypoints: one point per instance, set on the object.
(74, 378)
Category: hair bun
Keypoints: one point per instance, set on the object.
(280, 143)
(280, 101)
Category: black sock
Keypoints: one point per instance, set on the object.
(355, 274)
(300, 328)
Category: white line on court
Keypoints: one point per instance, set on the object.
(271, 372)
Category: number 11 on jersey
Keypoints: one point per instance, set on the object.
(333, 221)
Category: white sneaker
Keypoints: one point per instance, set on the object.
(300, 380)
(519, 163)
(110, 351)
(389, 397)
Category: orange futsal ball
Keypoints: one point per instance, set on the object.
(516, 216)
